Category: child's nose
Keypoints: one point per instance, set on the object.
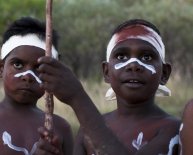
(134, 66)
(28, 78)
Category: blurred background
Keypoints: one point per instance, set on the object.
(85, 27)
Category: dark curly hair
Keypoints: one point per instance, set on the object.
(29, 25)
(135, 22)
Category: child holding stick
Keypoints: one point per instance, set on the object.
(23, 44)
(137, 71)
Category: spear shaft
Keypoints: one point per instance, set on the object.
(49, 105)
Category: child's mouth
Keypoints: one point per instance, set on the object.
(26, 90)
(133, 83)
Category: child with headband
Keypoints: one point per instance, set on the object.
(23, 44)
(136, 70)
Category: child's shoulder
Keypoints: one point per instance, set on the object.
(189, 108)
(188, 112)
(170, 122)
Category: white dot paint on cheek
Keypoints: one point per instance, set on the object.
(28, 72)
(123, 64)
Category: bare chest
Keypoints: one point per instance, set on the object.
(18, 137)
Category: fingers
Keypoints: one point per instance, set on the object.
(58, 79)
(43, 147)
(55, 141)
(48, 60)
(43, 132)
(49, 65)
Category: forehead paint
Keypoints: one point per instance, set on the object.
(28, 72)
(154, 43)
(6, 137)
(29, 40)
(123, 64)
(137, 32)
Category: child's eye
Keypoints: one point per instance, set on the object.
(122, 57)
(146, 58)
(18, 65)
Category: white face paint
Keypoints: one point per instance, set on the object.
(6, 137)
(123, 64)
(28, 72)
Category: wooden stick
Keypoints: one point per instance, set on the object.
(49, 105)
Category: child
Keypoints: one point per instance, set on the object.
(137, 71)
(186, 128)
(23, 44)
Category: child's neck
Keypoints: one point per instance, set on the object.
(11, 104)
(138, 109)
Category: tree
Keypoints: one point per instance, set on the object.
(84, 27)
(13, 9)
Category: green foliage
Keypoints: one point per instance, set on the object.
(85, 27)
(13, 9)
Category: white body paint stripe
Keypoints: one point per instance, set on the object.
(173, 142)
(138, 143)
(6, 137)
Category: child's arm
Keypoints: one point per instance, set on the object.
(79, 148)
(59, 80)
(186, 133)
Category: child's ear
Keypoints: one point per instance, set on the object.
(165, 73)
(1, 68)
(105, 71)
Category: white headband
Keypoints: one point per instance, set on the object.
(30, 39)
(154, 39)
